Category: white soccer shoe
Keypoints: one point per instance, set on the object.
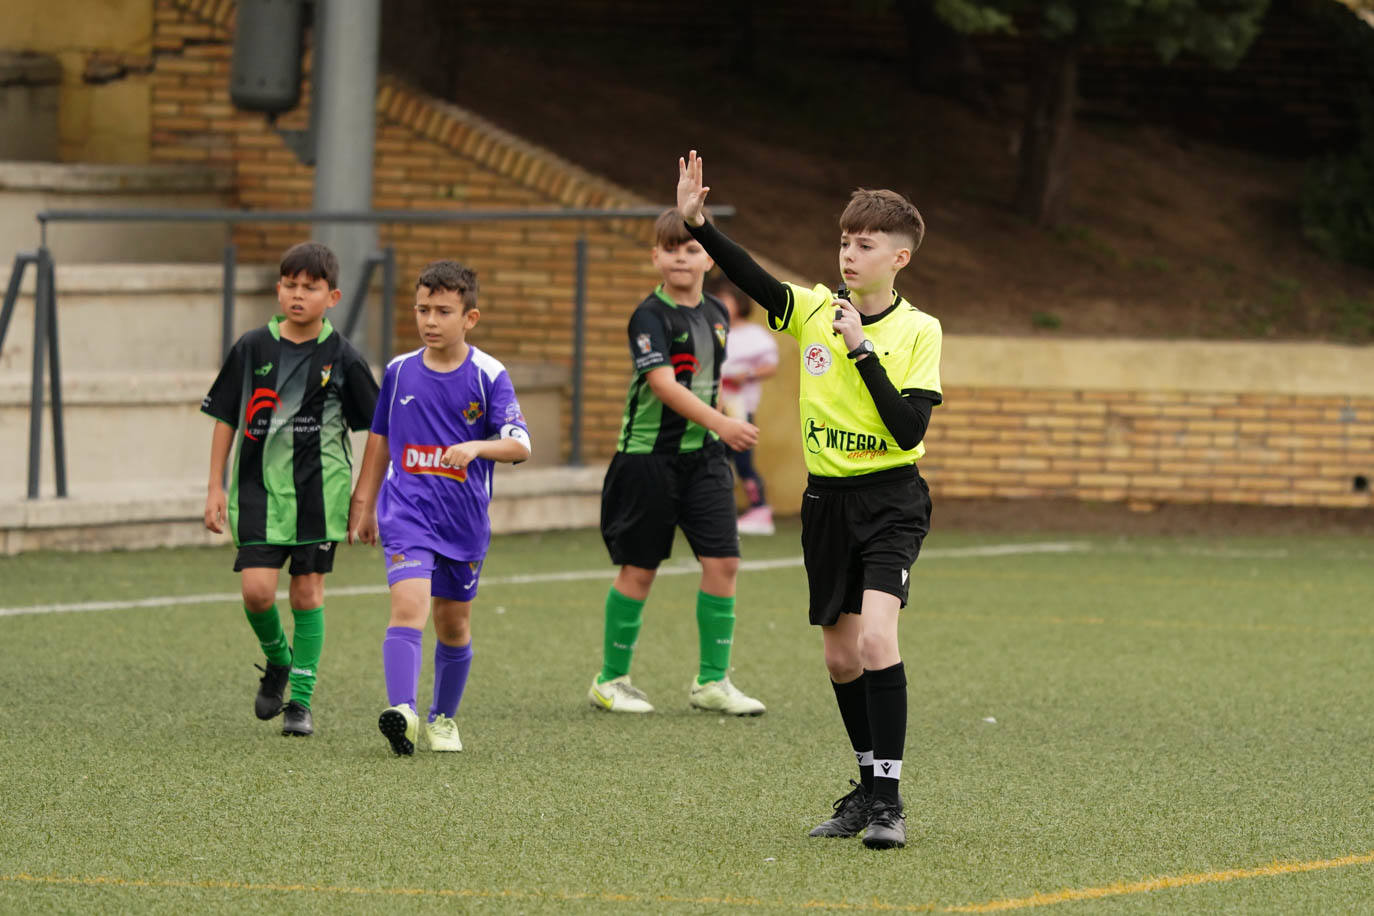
(618, 695)
(723, 696)
(442, 734)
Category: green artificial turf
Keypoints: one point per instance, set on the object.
(1082, 721)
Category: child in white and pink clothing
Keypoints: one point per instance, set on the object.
(751, 356)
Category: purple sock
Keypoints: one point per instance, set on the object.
(451, 665)
(401, 662)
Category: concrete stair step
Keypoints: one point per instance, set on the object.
(122, 317)
(29, 187)
(118, 428)
(139, 514)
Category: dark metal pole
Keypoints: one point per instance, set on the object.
(579, 353)
(40, 346)
(226, 328)
(357, 300)
(59, 436)
(388, 300)
(21, 260)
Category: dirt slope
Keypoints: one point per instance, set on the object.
(1166, 238)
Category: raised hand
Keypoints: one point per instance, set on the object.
(691, 193)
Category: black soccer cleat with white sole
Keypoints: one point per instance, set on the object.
(851, 815)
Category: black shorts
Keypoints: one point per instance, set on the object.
(305, 558)
(646, 496)
(861, 533)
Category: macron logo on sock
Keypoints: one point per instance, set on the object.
(888, 769)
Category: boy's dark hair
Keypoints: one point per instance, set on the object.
(720, 286)
(883, 211)
(670, 231)
(453, 277)
(316, 261)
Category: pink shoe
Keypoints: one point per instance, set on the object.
(758, 520)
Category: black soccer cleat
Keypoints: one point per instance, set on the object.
(297, 720)
(851, 815)
(271, 687)
(886, 825)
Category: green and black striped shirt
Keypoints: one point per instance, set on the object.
(691, 341)
(292, 405)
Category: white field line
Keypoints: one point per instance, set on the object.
(576, 575)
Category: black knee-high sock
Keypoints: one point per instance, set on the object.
(853, 702)
(887, 722)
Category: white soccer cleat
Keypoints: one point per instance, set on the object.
(723, 696)
(618, 695)
(442, 734)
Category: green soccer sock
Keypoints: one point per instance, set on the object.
(716, 631)
(267, 626)
(307, 641)
(624, 616)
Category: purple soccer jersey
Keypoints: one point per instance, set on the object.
(424, 502)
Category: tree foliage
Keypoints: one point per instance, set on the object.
(1219, 31)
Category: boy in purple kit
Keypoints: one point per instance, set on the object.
(447, 412)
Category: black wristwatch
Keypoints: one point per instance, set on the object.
(865, 347)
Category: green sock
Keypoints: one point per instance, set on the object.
(716, 631)
(270, 635)
(624, 616)
(307, 641)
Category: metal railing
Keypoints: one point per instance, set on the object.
(45, 322)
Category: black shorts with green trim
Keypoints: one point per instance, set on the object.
(859, 534)
(646, 497)
(305, 558)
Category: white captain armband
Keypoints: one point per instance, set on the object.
(519, 434)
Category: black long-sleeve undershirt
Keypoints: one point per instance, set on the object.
(906, 416)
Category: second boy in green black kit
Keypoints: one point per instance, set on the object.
(669, 471)
(289, 392)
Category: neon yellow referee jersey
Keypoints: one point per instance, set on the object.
(842, 433)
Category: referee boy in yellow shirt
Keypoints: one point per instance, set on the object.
(870, 376)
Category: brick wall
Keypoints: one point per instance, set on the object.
(1152, 446)
(1145, 422)
(429, 156)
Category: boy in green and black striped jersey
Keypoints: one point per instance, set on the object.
(669, 472)
(870, 376)
(288, 393)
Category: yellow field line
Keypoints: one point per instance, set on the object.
(1163, 883)
(1068, 895)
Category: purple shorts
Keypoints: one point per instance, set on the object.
(455, 580)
